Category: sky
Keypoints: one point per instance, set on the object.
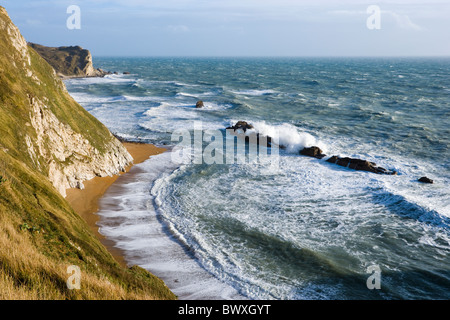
(239, 27)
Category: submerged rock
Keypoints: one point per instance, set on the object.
(425, 180)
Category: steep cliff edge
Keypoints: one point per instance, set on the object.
(49, 143)
(72, 61)
(40, 119)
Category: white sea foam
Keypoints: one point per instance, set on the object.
(255, 92)
(343, 218)
(171, 116)
(86, 98)
(208, 105)
(136, 228)
(286, 135)
(183, 94)
(196, 95)
(108, 79)
(429, 197)
(304, 179)
(310, 204)
(167, 82)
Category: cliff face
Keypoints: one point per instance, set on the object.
(71, 158)
(43, 126)
(48, 143)
(69, 61)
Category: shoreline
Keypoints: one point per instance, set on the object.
(130, 219)
(85, 202)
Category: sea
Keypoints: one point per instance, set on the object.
(290, 227)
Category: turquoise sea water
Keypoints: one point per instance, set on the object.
(306, 229)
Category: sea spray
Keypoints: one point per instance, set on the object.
(310, 229)
(290, 137)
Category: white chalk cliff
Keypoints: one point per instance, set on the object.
(61, 139)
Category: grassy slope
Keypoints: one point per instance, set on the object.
(40, 235)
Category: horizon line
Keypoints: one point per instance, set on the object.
(270, 56)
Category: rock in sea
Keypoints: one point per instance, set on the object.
(315, 152)
(253, 137)
(425, 180)
(359, 164)
(243, 125)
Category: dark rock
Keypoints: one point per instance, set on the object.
(344, 162)
(199, 104)
(241, 125)
(250, 137)
(359, 164)
(115, 72)
(425, 180)
(102, 73)
(126, 72)
(333, 159)
(315, 152)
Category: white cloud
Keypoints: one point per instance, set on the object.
(348, 12)
(33, 22)
(178, 28)
(403, 21)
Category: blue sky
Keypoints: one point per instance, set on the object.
(239, 27)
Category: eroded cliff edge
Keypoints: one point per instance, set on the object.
(48, 143)
(69, 62)
(43, 126)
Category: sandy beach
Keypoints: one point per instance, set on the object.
(86, 202)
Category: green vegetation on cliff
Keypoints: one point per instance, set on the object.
(40, 234)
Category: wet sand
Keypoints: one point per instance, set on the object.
(86, 202)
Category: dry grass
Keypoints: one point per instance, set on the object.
(27, 273)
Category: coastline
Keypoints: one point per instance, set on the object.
(85, 202)
(132, 222)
